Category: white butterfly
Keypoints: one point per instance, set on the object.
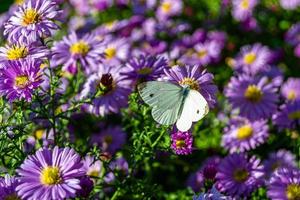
(173, 103)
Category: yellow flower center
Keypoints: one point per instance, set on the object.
(12, 197)
(245, 4)
(16, 53)
(19, 2)
(108, 139)
(110, 25)
(180, 144)
(93, 173)
(249, 58)
(31, 16)
(110, 53)
(166, 7)
(202, 53)
(190, 82)
(80, 47)
(292, 95)
(21, 81)
(294, 115)
(244, 132)
(39, 134)
(145, 71)
(293, 191)
(253, 93)
(240, 175)
(50, 176)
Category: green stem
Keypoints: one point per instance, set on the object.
(157, 139)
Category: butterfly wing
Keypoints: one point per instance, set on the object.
(164, 98)
(195, 107)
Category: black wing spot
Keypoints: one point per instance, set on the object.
(151, 95)
(197, 111)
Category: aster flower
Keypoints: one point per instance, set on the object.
(81, 7)
(92, 166)
(20, 50)
(288, 116)
(86, 185)
(274, 75)
(169, 8)
(292, 35)
(19, 79)
(116, 50)
(109, 89)
(242, 9)
(182, 143)
(8, 186)
(88, 51)
(252, 58)
(120, 166)
(197, 78)
(239, 175)
(254, 97)
(50, 174)
(279, 159)
(101, 5)
(145, 67)
(34, 20)
(290, 90)
(284, 184)
(289, 4)
(110, 139)
(212, 194)
(243, 135)
(196, 181)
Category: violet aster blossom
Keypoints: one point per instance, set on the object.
(109, 90)
(292, 35)
(182, 143)
(290, 90)
(288, 116)
(109, 139)
(212, 194)
(289, 4)
(19, 79)
(254, 97)
(239, 175)
(169, 8)
(34, 20)
(242, 9)
(20, 50)
(145, 68)
(120, 166)
(92, 166)
(284, 184)
(244, 135)
(8, 186)
(252, 59)
(50, 174)
(87, 51)
(197, 78)
(279, 159)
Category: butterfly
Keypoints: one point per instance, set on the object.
(173, 103)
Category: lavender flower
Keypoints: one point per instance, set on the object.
(196, 78)
(92, 166)
(88, 51)
(169, 8)
(33, 21)
(288, 116)
(284, 184)
(120, 166)
(50, 174)
(239, 175)
(19, 79)
(243, 135)
(254, 97)
(290, 90)
(292, 35)
(182, 143)
(289, 4)
(8, 186)
(242, 9)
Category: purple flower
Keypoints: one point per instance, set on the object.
(81, 7)
(169, 8)
(33, 21)
(243, 135)
(280, 159)
(20, 50)
(145, 68)
(288, 116)
(8, 186)
(88, 51)
(110, 139)
(86, 185)
(242, 9)
(109, 89)
(92, 166)
(253, 59)
(239, 175)
(212, 194)
(19, 79)
(101, 5)
(50, 174)
(274, 75)
(292, 36)
(254, 97)
(120, 166)
(289, 4)
(284, 184)
(182, 143)
(290, 90)
(116, 50)
(197, 78)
